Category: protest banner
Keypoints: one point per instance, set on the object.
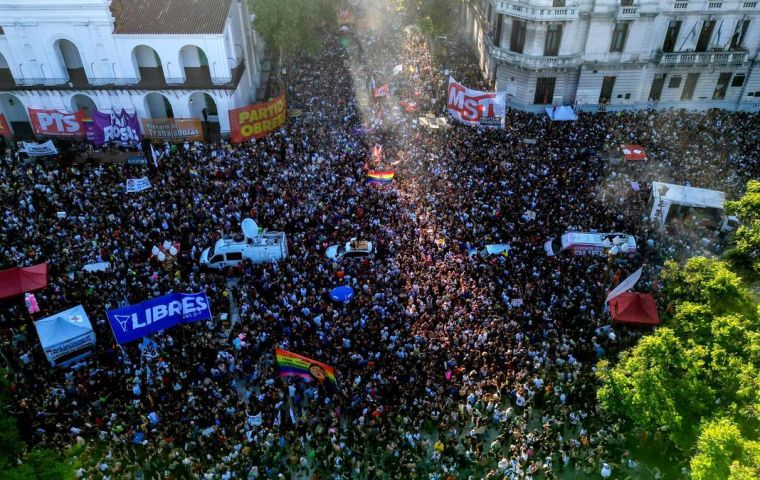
(137, 184)
(105, 127)
(136, 321)
(294, 365)
(56, 122)
(173, 129)
(5, 130)
(625, 285)
(381, 91)
(473, 107)
(259, 120)
(39, 149)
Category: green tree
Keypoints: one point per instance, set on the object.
(293, 25)
(698, 375)
(746, 241)
(659, 384)
(434, 17)
(39, 464)
(724, 453)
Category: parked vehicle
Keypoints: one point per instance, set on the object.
(353, 248)
(253, 244)
(591, 243)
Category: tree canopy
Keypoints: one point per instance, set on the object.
(696, 378)
(747, 238)
(293, 26)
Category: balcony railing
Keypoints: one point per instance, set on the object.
(531, 62)
(529, 11)
(130, 83)
(703, 58)
(627, 13)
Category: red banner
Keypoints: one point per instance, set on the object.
(382, 91)
(4, 130)
(259, 120)
(56, 122)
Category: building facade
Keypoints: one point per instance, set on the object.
(693, 54)
(160, 58)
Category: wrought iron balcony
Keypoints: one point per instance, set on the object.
(147, 82)
(703, 58)
(529, 10)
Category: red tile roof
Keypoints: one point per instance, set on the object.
(169, 16)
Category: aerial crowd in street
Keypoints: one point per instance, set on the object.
(450, 365)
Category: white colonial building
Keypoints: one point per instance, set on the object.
(695, 54)
(162, 58)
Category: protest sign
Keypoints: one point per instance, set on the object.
(137, 184)
(473, 107)
(136, 321)
(259, 120)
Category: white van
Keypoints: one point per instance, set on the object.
(252, 244)
(591, 243)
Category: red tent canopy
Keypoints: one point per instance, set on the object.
(635, 309)
(634, 152)
(15, 281)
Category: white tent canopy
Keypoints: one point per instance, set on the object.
(66, 336)
(667, 194)
(563, 113)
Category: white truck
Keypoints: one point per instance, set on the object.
(591, 243)
(254, 245)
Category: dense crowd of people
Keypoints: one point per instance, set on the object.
(450, 365)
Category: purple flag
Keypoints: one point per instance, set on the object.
(123, 128)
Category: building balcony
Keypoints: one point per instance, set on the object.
(683, 6)
(703, 58)
(534, 63)
(529, 10)
(627, 13)
(150, 79)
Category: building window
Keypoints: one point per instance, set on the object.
(626, 3)
(517, 42)
(553, 40)
(499, 24)
(705, 35)
(737, 39)
(656, 91)
(674, 82)
(738, 80)
(619, 36)
(689, 86)
(558, 3)
(674, 28)
(721, 86)
(544, 90)
(608, 84)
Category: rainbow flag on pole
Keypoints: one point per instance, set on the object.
(292, 364)
(380, 178)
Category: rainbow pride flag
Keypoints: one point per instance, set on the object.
(380, 178)
(292, 364)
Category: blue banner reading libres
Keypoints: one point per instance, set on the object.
(137, 321)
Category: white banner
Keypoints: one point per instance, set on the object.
(137, 184)
(474, 107)
(40, 149)
(625, 285)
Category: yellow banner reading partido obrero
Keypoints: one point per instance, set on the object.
(257, 121)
